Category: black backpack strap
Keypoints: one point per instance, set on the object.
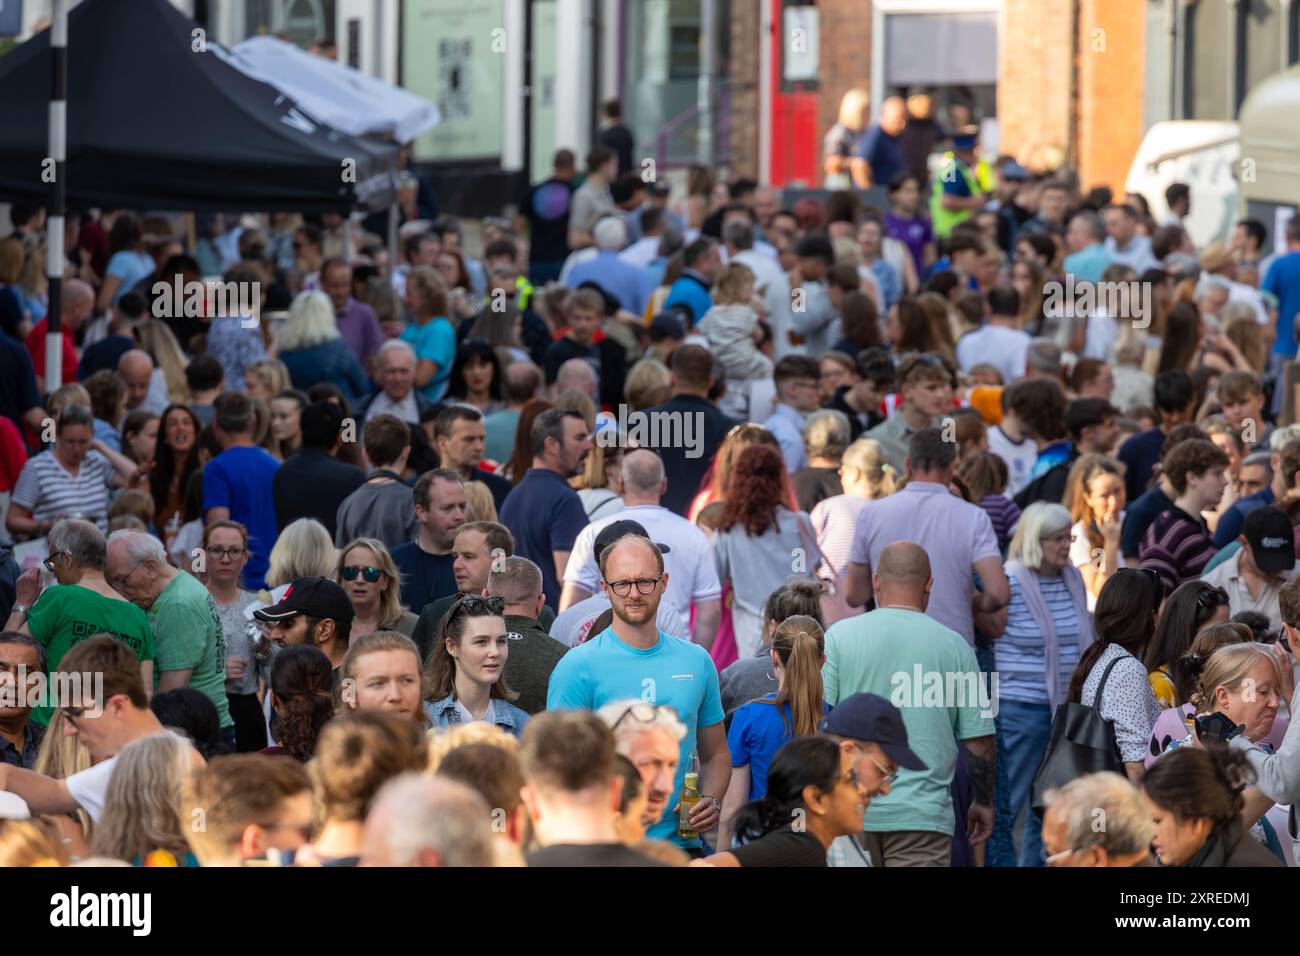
(1105, 676)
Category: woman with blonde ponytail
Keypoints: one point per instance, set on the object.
(761, 727)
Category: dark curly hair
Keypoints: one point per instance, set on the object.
(303, 683)
(757, 490)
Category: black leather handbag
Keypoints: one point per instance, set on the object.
(1082, 742)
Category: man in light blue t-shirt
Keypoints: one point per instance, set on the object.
(930, 674)
(634, 659)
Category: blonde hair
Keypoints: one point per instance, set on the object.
(373, 643)
(1228, 667)
(866, 455)
(304, 549)
(356, 754)
(853, 105)
(444, 741)
(66, 395)
(649, 383)
(311, 322)
(800, 645)
(142, 806)
(1039, 520)
(273, 375)
(11, 260)
(34, 842)
(847, 250)
(732, 284)
(431, 286)
(160, 342)
(1241, 329)
(390, 600)
(479, 503)
(61, 755)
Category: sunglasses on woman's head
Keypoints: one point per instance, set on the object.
(369, 575)
(482, 605)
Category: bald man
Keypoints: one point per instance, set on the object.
(145, 387)
(78, 303)
(633, 659)
(575, 373)
(693, 573)
(930, 673)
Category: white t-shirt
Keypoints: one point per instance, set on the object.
(1020, 458)
(13, 807)
(1100, 336)
(89, 787)
(692, 574)
(1005, 349)
(572, 626)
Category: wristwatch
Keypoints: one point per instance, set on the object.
(20, 608)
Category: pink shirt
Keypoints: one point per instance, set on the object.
(954, 533)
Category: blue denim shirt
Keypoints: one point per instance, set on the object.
(443, 713)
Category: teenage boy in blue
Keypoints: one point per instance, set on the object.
(634, 659)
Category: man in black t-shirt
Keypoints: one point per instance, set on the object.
(570, 790)
(545, 207)
(616, 137)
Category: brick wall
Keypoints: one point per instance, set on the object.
(845, 57)
(743, 78)
(1034, 66)
(1112, 48)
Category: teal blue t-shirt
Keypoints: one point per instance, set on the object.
(434, 341)
(674, 672)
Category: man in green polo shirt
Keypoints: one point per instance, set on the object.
(81, 605)
(182, 616)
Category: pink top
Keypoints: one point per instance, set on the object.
(1176, 723)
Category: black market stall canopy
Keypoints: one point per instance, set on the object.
(158, 119)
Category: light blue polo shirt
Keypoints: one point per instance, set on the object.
(673, 672)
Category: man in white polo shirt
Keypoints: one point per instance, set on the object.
(1254, 576)
(688, 557)
(957, 536)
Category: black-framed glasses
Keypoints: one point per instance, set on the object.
(49, 562)
(221, 554)
(643, 585)
(368, 574)
(643, 712)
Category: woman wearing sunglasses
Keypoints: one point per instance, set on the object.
(463, 680)
(813, 796)
(367, 573)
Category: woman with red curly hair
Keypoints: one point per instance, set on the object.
(760, 537)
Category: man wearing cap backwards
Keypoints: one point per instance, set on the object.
(930, 673)
(1254, 576)
(182, 616)
(687, 553)
(315, 612)
(633, 658)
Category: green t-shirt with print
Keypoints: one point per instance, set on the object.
(190, 637)
(66, 614)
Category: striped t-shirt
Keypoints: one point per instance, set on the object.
(1177, 547)
(1021, 654)
(1004, 514)
(47, 489)
(834, 521)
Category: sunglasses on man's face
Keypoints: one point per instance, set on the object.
(369, 575)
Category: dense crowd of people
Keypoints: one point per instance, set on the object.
(656, 531)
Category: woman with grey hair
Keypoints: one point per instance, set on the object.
(826, 435)
(81, 603)
(1072, 836)
(1045, 627)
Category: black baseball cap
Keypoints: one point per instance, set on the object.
(315, 597)
(872, 719)
(1272, 543)
(618, 529)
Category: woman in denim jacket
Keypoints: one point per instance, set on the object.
(463, 681)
